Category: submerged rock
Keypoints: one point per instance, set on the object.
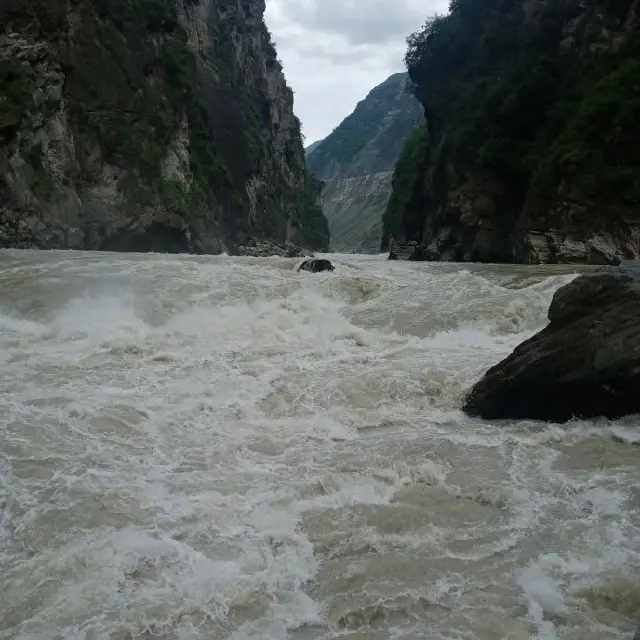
(584, 364)
(316, 265)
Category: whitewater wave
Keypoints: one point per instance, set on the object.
(225, 447)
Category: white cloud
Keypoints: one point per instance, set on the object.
(335, 51)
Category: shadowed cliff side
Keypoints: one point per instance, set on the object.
(533, 111)
(145, 125)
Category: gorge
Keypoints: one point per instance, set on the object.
(265, 444)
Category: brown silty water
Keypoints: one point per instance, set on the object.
(215, 447)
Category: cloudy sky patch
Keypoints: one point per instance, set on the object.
(335, 51)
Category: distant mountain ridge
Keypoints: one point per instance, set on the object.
(356, 161)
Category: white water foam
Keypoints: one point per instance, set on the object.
(223, 447)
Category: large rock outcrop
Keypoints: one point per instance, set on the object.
(585, 363)
(145, 125)
(533, 110)
(356, 163)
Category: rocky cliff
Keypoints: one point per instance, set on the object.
(533, 111)
(144, 125)
(356, 162)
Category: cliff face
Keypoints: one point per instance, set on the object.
(356, 162)
(533, 111)
(143, 125)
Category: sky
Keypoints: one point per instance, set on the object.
(335, 51)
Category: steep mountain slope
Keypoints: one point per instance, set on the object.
(356, 162)
(533, 111)
(313, 145)
(145, 125)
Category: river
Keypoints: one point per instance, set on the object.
(225, 448)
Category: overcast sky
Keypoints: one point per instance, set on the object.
(335, 51)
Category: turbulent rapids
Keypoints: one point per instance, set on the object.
(216, 447)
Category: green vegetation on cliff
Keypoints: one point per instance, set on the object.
(537, 101)
(596, 149)
(406, 182)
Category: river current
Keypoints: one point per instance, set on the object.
(225, 448)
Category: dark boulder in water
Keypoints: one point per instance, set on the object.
(316, 265)
(584, 364)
